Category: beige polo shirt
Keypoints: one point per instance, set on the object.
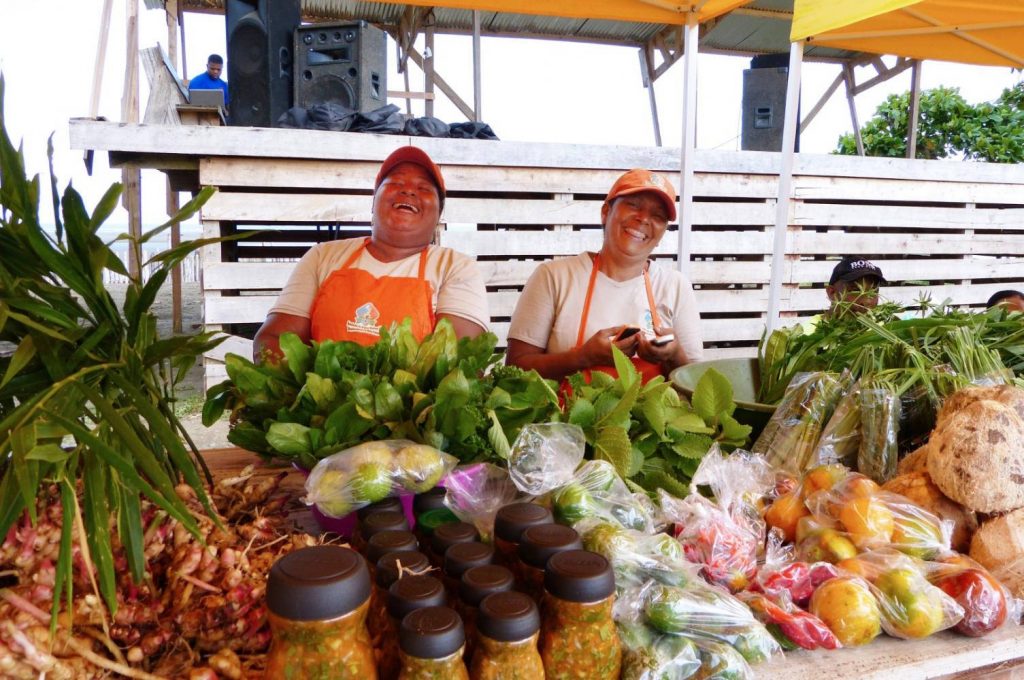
(549, 309)
(458, 285)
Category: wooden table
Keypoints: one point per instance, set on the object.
(944, 654)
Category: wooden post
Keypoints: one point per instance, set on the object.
(428, 69)
(850, 86)
(477, 92)
(171, 10)
(689, 147)
(796, 54)
(101, 58)
(913, 113)
(647, 77)
(131, 176)
(181, 27)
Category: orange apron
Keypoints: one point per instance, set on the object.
(353, 304)
(646, 369)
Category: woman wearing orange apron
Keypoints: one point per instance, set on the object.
(573, 310)
(350, 289)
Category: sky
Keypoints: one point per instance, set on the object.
(533, 90)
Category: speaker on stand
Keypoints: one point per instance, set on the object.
(764, 103)
(259, 40)
(341, 63)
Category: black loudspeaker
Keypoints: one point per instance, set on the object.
(764, 103)
(343, 63)
(259, 40)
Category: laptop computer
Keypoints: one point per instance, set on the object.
(206, 98)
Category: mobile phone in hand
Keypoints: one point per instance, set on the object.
(662, 340)
(626, 332)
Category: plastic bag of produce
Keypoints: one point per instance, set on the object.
(650, 655)
(790, 439)
(792, 627)
(597, 492)
(873, 518)
(700, 612)
(725, 535)
(910, 606)
(476, 492)
(637, 557)
(847, 605)
(878, 450)
(793, 581)
(986, 602)
(545, 456)
(840, 439)
(719, 661)
(369, 472)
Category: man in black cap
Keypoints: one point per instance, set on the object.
(853, 286)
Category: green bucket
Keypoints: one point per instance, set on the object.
(745, 376)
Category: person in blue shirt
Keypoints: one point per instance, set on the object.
(211, 80)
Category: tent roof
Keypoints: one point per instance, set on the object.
(987, 32)
(746, 27)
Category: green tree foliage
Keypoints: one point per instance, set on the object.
(948, 126)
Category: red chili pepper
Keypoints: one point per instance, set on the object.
(796, 581)
(802, 628)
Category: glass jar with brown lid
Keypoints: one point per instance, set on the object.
(406, 595)
(510, 523)
(431, 641)
(317, 601)
(578, 637)
(508, 626)
(476, 584)
(537, 545)
(374, 523)
(431, 513)
(461, 557)
(447, 535)
(389, 569)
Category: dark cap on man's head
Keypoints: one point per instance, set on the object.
(416, 156)
(852, 268)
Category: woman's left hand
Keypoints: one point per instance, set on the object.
(669, 355)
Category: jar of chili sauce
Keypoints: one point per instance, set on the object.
(374, 523)
(578, 637)
(508, 627)
(476, 584)
(389, 569)
(405, 596)
(431, 512)
(510, 523)
(447, 535)
(460, 558)
(537, 545)
(317, 601)
(431, 641)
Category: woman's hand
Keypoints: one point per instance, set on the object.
(668, 356)
(597, 351)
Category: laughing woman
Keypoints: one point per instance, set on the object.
(573, 310)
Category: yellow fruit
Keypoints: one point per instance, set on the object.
(785, 514)
(371, 452)
(913, 608)
(826, 545)
(868, 520)
(917, 537)
(859, 486)
(848, 608)
(858, 567)
(823, 477)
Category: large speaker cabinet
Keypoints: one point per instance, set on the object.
(764, 103)
(259, 40)
(342, 63)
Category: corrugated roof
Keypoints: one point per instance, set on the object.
(760, 27)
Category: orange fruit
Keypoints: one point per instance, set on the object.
(867, 520)
(785, 513)
(857, 567)
(859, 486)
(823, 477)
(848, 608)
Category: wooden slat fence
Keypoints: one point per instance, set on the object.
(953, 230)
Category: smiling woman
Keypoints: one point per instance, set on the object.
(348, 290)
(573, 310)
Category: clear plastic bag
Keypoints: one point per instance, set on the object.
(792, 626)
(792, 581)
(545, 456)
(699, 612)
(650, 655)
(637, 557)
(597, 492)
(791, 437)
(873, 518)
(369, 472)
(988, 604)
(878, 450)
(847, 605)
(840, 439)
(725, 536)
(911, 607)
(476, 492)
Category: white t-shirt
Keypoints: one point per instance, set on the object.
(549, 309)
(458, 285)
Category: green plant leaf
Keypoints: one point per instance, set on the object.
(21, 358)
(289, 439)
(496, 437)
(712, 396)
(612, 444)
(297, 354)
(582, 413)
(733, 432)
(692, 446)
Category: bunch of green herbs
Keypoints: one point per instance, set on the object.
(87, 388)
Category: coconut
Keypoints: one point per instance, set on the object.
(918, 487)
(976, 457)
(998, 545)
(915, 461)
(1008, 395)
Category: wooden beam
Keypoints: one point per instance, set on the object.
(822, 101)
(402, 94)
(131, 176)
(899, 67)
(101, 58)
(173, 10)
(428, 68)
(850, 89)
(688, 150)
(443, 85)
(914, 111)
(648, 82)
(477, 73)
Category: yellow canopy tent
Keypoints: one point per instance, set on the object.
(984, 32)
(688, 13)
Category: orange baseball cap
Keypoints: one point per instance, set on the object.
(416, 156)
(639, 180)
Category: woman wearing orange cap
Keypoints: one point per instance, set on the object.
(349, 289)
(574, 309)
